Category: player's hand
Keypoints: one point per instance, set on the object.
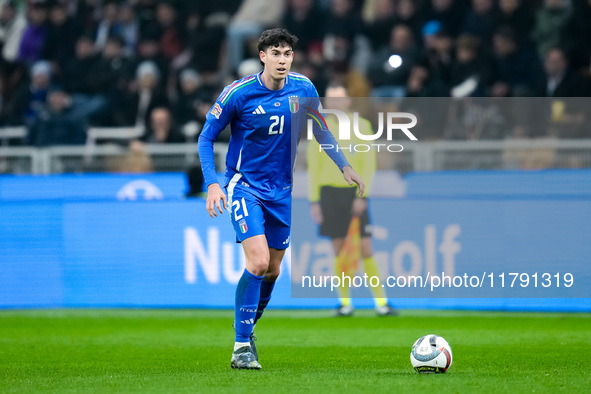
(352, 177)
(359, 206)
(316, 213)
(214, 195)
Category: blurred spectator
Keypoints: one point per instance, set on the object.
(75, 77)
(408, 12)
(518, 16)
(438, 51)
(423, 83)
(162, 129)
(577, 35)
(517, 70)
(81, 83)
(471, 73)
(171, 40)
(305, 20)
(88, 13)
(108, 26)
(35, 34)
(560, 80)
(342, 27)
(193, 102)
(550, 22)
(149, 51)
(568, 116)
(12, 27)
(451, 14)
(382, 20)
(55, 124)
(128, 28)
(62, 33)
(142, 97)
(482, 20)
(204, 34)
(30, 99)
(108, 82)
(250, 20)
(391, 67)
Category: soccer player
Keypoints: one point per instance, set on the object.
(258, 177)
(334, 202)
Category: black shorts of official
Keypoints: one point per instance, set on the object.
(336, 204)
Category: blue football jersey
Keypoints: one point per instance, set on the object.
(262, 146)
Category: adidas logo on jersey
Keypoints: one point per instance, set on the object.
(259, 110)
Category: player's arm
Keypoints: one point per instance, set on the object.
(217, 121)
(215, 194)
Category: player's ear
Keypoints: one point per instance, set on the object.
(262, 56)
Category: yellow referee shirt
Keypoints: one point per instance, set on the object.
(323, 172)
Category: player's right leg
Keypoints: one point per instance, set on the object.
(248, 220)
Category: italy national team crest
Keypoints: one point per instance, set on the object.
(294, 104)
(243, 227)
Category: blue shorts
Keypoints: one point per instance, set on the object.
(252, 216)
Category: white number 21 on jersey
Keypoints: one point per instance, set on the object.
(276, 121)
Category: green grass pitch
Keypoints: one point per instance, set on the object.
(178, 351)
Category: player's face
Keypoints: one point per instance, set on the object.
(277, 61)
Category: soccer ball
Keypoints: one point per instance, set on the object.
(431, 354)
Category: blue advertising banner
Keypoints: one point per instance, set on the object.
(105, 252)
(93, 186)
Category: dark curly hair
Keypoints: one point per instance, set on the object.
(276, 38)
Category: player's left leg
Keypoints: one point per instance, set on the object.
(371, 269)
(268, 283)
(247, 300)
(276, 219)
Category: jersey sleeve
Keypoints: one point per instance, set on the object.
(218, 118)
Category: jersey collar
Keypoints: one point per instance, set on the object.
(261, 80)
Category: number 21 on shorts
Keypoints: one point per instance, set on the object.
(236, 207)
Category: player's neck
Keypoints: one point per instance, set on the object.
(272, 83)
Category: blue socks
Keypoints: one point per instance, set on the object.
(266, 290)
(248, 293)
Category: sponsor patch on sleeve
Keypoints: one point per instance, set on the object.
(216, 110)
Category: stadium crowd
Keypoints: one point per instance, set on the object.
(159, 65)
